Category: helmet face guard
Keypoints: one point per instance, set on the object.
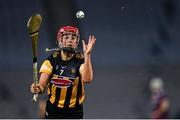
(64, 31)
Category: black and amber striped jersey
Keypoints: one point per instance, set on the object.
(65, 89)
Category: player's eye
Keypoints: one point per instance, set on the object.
(66, 37)
(73, 37)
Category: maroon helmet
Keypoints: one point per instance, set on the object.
(65, 30)
(68, 29)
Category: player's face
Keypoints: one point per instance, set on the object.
(69, 40)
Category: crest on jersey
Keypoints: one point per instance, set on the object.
(73, 70)
(55, 54)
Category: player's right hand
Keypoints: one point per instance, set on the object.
(35, 88)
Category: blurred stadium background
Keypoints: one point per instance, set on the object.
(136, 40)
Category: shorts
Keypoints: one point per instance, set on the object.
(53, 112)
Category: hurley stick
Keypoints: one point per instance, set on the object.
(33, 26)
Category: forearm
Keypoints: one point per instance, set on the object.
(87, 69)
(43, 81)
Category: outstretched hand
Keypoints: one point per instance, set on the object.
(87, 48)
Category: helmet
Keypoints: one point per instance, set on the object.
(65, 30)
(156, 84)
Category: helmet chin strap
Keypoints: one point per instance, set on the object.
(69, 49)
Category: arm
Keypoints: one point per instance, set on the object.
(86, 70)
(40, 87)
(46, 71)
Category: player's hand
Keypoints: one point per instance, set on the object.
(35, 88)
(87, 48)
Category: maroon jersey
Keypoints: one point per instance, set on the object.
(157, 99)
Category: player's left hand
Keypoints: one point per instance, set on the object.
(87, 48)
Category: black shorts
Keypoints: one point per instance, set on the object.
(53, 112)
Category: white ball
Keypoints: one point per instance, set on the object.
(80, 14)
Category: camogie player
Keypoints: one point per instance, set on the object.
(64, 73)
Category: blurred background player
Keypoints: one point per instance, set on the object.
(64, 72)
(159, 99)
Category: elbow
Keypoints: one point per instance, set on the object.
(88, 80)
(87, 77)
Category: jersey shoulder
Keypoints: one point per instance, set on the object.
(53, 55)
(79, 55)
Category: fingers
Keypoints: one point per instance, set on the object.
(35, 88)
(92, 39)
(87, 48)
(84, 45)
